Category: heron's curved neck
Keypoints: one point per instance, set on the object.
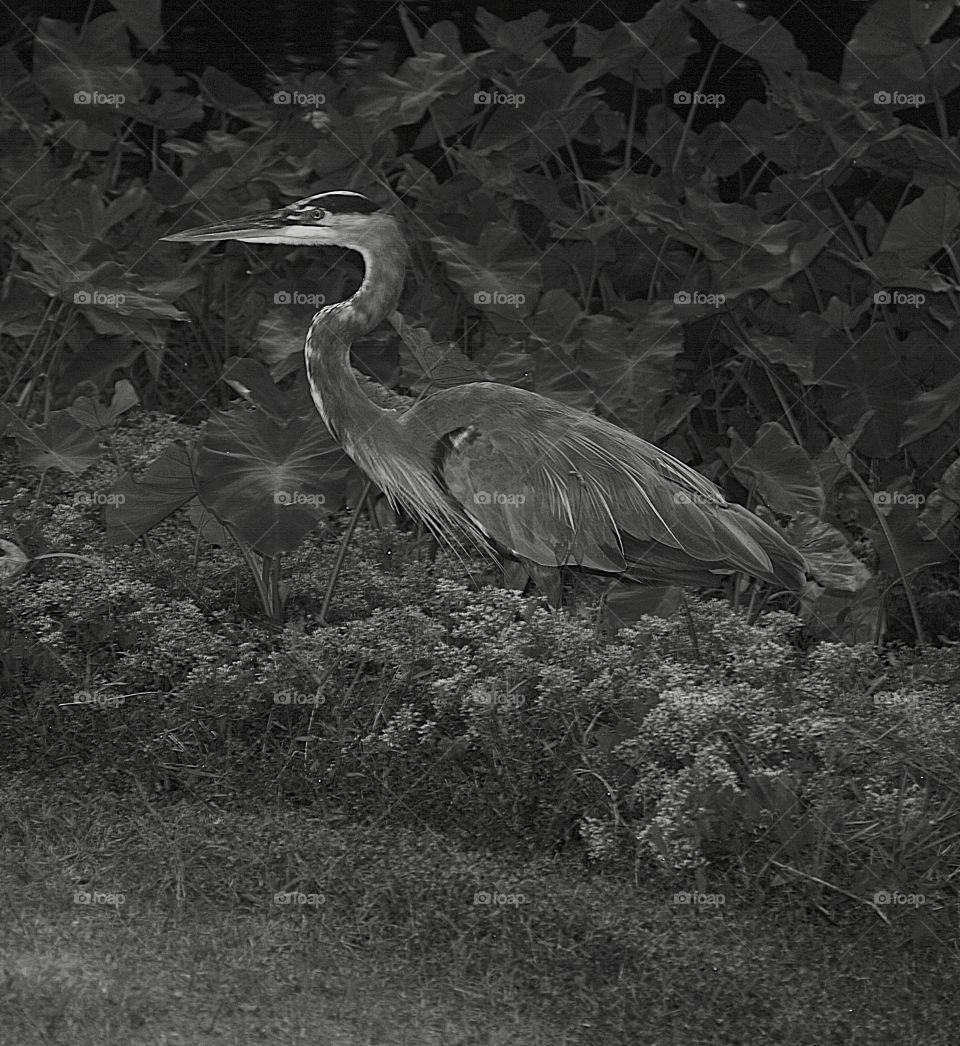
(347, 411)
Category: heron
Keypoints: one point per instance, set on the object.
(508, 471)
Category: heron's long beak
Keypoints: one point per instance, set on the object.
(253, 227)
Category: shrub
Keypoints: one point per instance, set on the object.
(483, 714)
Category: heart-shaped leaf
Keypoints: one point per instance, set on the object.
(63, 443)
(92, 413)
(272, 484)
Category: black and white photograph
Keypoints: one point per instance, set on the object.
(480, 523)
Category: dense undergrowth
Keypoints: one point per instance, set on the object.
(701, 745)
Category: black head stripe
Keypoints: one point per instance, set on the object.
(338, 203)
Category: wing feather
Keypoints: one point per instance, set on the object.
(559, 487)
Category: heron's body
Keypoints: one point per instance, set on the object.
(503, 468)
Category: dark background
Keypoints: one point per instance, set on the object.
(253, 41)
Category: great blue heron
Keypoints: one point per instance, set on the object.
(509, 470)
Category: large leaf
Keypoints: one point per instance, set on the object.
(525, 37)
(827, 552)
(550, 372)
(847, 605)
(208, 526)
(431, 366)
(914, 150)
(891, 270)
(631, 366)
(793, 352)
(500, 275)
(555, 319)
(846, 617)
(834, 462)
(778, 469)
(92, 413)
(885, 56)
(904, 542)
(924, 226)
(929, 410)
(172, 111)
(271, 483)
(226, 95)
(743, 251)
(927, 18)
(104, 291)
(766, 42)
(90, 77)
(142, 18)
(252, 380)
(420, 82)
(20, 96)
(62, 443)
(652, 52)
(942, 506)
(13, 561)
(548, 107)
(871, 378)
(136, 506)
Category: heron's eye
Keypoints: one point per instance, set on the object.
(318, 214)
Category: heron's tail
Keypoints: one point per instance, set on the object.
(709, 543)
(788, 567)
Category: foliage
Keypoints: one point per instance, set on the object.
(824, 768)
(262, 476)
(688, 265)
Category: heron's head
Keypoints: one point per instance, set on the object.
(345, 219)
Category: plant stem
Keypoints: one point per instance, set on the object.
(342, 552)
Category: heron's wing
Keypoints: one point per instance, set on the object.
(557, 487)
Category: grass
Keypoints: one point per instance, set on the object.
(391, 946)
